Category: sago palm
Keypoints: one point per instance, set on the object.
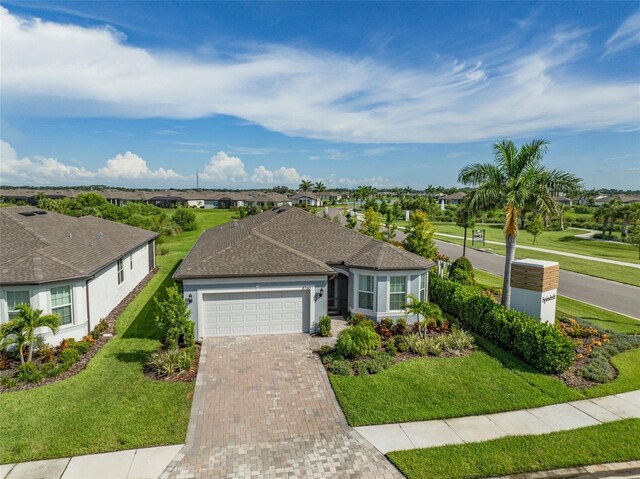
(514, 180)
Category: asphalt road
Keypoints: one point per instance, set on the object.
(618, 297)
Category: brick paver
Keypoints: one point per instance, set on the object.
(263, 407)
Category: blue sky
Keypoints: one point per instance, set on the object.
(263, 94)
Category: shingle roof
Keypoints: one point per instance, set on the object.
(289, 241)
(53, 247)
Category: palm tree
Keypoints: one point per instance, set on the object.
(515, 179)
(430, 312)
(319, 187)
(27, 322)
(305, 185)
(12, 335)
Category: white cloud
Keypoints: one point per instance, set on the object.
(132, 166)
(42, 170)
(627, 35)
(375, 181)
(223, 168)
(318, 94)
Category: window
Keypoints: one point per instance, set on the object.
(61, 303)
(397, 293)
(131, 262)
(423, 287)
(365, 292)
(14, 298)
(120, 271)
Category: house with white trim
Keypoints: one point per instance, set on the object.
(78, 268)
(281, 270)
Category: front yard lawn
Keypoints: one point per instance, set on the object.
(484, 382)
(110, 405)
(612, 442)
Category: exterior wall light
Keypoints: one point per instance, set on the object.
(190, 298)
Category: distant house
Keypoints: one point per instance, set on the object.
(563, 200)
(454, 198)
(79, 268)
(330, 196)
(309, 198)
(281, 270)
(625, 199)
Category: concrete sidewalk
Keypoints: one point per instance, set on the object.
(542, 420)
(145, 463)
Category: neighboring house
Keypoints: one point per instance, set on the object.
(79, 268)
(309, 199)
(330, 196)
(454, 198)
(281, 270)
(625, 199)
(563, 200)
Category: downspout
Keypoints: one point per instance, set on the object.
(86, 290)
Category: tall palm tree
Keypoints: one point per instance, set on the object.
(305, 185)
(515, 179)
(319, 187)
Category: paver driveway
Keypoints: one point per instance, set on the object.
(263, 407)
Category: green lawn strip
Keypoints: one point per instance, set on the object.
(564, 241)
(612, 442)
(110, 405)
(599, 317)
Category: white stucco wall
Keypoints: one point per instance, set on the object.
(104, 291)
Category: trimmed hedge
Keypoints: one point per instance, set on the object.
(539, 344)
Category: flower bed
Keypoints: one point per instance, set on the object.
(51, 364)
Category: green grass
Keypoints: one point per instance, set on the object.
(612, 442)
(599, 317)
(110, 405)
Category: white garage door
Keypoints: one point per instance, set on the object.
(254, 313)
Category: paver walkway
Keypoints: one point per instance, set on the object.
(147, 463)
(542, 420)
(263, 407)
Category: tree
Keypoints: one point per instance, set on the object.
(305, 185)
(431, 313)
(536, 227)
(634, 237)
(419, 239)
(562, 209)
(630, 215)
(465, 219)
(371, 224)
(185, 219)
(514, 180)
(389, 225)
(21, 330)
(319, 187)
(352, 221)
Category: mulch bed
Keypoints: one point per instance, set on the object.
(182, 376)
(110, 320)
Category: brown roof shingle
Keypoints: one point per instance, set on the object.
(288, 240)
(52, 247)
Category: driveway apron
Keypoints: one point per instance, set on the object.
(264, 407)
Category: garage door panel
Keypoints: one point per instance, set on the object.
(255, 312)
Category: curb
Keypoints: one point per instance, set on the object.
(630, 469)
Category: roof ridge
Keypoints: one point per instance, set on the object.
(290, 249)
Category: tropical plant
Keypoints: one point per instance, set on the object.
(358, 340)
(371, 224)
(319, 187)
(561, 209)
(419, 239)
(389, 226)
(515, 180)
(21, 330)
(465, 219)
(305, 185)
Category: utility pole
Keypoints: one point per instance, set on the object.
(197, 180)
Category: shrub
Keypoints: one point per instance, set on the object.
(185, 219)
(457, 340)
(83, 347)
(390, 347)
(325, 326)
(51, 370)
(400, 327)
(378, 361)
(46, 353)
(416, 344)
(68, 357)
(357, 340)
(168, 361)
(383, 328)
(597, 369)
(174, 319)
(100, 328)
(539, 344)
(401, 344)
(361, 368)
(28, 373)
(461, 271)
(8, 382)
(360, 319)
(341, 368)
